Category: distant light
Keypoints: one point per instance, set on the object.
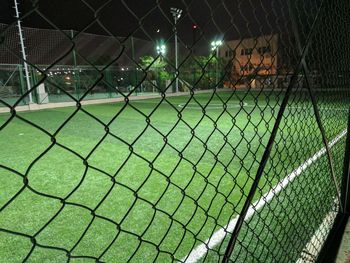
(216, 44)
(161, 49)
(158, 30)
(123, 69)
(195, 27)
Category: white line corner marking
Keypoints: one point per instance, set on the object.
(219, 235)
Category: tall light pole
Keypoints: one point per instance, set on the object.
(194, 31)
(176, 12)
(215, 45)
(24, 56)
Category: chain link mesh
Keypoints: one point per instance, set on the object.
(110, 164)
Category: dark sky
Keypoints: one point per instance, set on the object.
(5, 11)
(231, 20)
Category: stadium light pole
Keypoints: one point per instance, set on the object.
(176, 12)
(215, 45)
(194, 31)
(24, 55)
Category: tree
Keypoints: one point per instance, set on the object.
(156, 69)
(200, 71)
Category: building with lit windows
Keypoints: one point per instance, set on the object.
(253, 59)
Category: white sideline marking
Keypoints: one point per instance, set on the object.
(313, 247)
(212, 106)
(219, 235)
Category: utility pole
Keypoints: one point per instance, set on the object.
(194, 31)
(135, 81)
(176, 12)
(24, 56)
(217, 66)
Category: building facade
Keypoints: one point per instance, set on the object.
(253, 59)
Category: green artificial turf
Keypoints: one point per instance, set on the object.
(149, 180)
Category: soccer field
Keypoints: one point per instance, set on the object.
(150, 180)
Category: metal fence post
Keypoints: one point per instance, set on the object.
(76, 72)
(21, 80)
(23, 50)
(345, 199)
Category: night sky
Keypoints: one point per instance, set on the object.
(226, 19)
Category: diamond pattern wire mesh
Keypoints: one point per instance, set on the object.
(244, 165)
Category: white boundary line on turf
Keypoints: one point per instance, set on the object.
(313, 247)
(211, 106)
(219, 235)
(245, 104)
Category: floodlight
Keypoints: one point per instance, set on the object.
(161, 49)
(176, 12)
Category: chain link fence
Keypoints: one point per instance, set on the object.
(230, 146)
(75, 74)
